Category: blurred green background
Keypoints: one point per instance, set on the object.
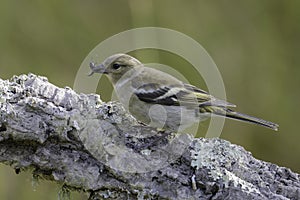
(255, 44)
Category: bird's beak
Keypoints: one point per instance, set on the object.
(97, 69)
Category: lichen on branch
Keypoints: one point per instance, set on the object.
(99, 148)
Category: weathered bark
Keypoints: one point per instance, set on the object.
(97, 147)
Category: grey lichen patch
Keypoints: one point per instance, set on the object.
(205, 156)
(218, 157)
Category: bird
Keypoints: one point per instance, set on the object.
(160, 100)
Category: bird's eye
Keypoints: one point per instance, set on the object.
(116, 66)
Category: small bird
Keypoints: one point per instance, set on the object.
(161, 100)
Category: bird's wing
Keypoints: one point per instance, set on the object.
(205, 99)
(157, 94)
(177, 95)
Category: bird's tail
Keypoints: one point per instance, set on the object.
(225, 112)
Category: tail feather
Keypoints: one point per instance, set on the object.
(243, 117)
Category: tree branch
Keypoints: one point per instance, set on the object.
(97, 147)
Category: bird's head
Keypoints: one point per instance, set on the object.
(116, 66)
